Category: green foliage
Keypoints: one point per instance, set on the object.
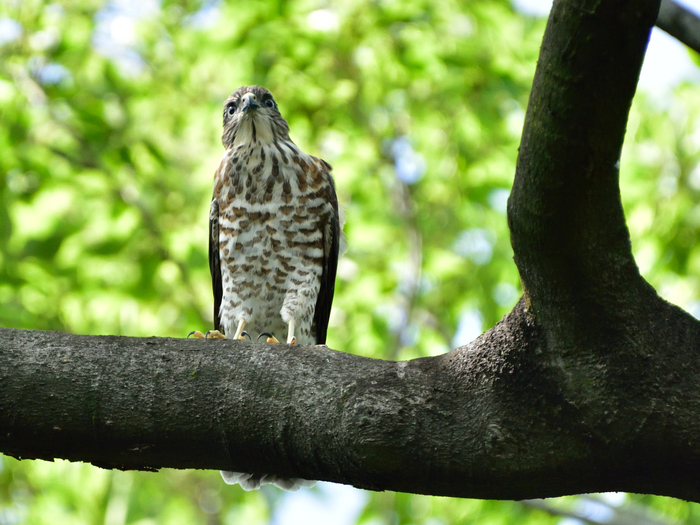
(660, 181)
(107, 166)
(108, 170)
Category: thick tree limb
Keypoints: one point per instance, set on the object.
(680, 23)
(490, 420)
(591, 383)
(567, 224)
(444, 425)
(619, 349)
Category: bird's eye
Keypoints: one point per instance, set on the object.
(231, 108)
(269, 103)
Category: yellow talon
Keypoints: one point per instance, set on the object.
(269, 337)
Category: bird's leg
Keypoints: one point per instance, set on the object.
(239, 330)
(290, 332)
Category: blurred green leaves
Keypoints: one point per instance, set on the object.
(108, 161)
(109, 138)
(660, 179)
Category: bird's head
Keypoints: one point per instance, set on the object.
(251, 116)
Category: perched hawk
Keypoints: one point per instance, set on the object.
(274, 235)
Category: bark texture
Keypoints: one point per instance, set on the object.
(591, 383)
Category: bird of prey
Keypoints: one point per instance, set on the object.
(274, 235)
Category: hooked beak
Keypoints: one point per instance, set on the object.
(249, 102)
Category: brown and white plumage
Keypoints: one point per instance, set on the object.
(274, 234)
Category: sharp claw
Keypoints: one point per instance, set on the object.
(292, 341)
(214, 334)
(197, 334)
(245, 334)
(270, 338)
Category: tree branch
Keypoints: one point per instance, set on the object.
(437, 425)
(489, 420)
(565, 212)
(680, 23)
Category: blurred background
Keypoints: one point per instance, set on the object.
(110, 124)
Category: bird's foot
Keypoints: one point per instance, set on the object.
(210, 334)
(269, 337)
(272, 339)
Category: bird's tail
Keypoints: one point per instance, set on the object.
(254, 481)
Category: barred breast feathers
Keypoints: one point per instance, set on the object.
(268, 176)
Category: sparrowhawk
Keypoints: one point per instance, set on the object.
(274, 235)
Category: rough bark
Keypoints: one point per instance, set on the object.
(591, 383)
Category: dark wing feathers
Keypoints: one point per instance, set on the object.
(330, 265)
(214, 264)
